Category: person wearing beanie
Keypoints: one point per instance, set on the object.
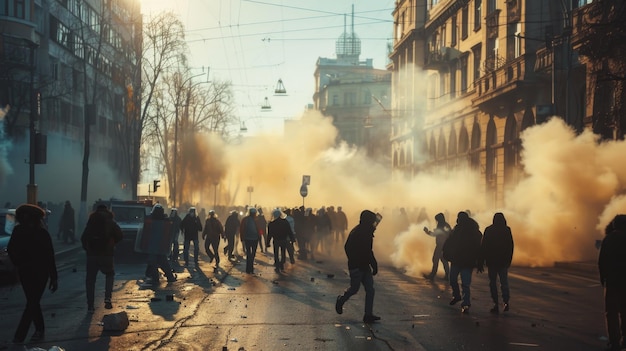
(361, 263)
(30, 249)
(279, 229)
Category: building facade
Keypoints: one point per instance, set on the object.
(469, 76)
(71, 73)
(357, 97)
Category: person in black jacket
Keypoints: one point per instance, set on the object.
(361, 263)
(158, 260)
(191, 225)
(213, 231)
(279, 229)
(462, 249)
(497, 253)
(67, 224)
(231, 228)
(612, 266)
(30, 249)
(98, 239)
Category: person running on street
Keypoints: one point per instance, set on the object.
(361, 263)
(441, 234)
(191, 225)
(213, 231)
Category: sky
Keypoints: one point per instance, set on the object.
(253, 44)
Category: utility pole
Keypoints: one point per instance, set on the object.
(31, 188)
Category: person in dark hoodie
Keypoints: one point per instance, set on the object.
(231, 228)
(497, 253)
(213, 231)
(462, 249)
(98, 239)
(361, 263)
(279, 230)
(612, 266)
(30, 249)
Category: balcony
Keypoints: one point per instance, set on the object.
(505, 81)
(440, 58)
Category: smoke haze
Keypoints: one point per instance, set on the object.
(571, 191)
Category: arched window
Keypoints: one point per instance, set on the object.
(475, 146)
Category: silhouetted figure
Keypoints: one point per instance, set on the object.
(176, 221)
(231, 228)
(30, 249)
(250, 238)
(279, 230)
(213, 231)
(261, 224)
(160, 230)
(361, 263)
(441, 234)
(342, 225)
(291, 250)
(67, 224)
(462, 249)
(612, 266)
(191, 225)
(98, 240)
(497, 254)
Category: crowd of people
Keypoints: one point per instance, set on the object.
(461, 249)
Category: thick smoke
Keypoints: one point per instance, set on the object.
(557, 212)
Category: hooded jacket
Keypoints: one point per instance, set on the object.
(101, 234)
(463, 246)
(360, 241)
(611, 260)
(497, 245)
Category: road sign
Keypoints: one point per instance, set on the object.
(304, 191)
(306, 180)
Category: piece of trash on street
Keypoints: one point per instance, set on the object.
(131, 307)
(420, 315)
(312, 279)
(369, 338)
(523, 344)
(233, 339)
(330, 275)
(338, 325)
(242, 316)
(231, 288)
(347, 328)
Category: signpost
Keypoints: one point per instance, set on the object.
(304, 191)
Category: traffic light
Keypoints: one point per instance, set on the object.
(155, 185)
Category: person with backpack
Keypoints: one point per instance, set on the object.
(98, 239)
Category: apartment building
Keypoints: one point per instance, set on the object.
(65, 64)
(470, 75)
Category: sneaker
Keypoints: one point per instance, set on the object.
(428, 276)
(506, 307)
(465, 309)
(107, 304)
(495, 309)
(37, 336)
(454, 300)
(339, 305)
(370, 318)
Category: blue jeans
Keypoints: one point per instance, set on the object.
(494, 273)
(358, 277)
(186, 250)
(466, 281)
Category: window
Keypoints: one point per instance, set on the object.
(20, 9)
(367, 99)
(464, 74)
(454, 32)
(477, 53)
(478, 17)
(464, 22)
(453, 79)
(335, 100)
(518, 39)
